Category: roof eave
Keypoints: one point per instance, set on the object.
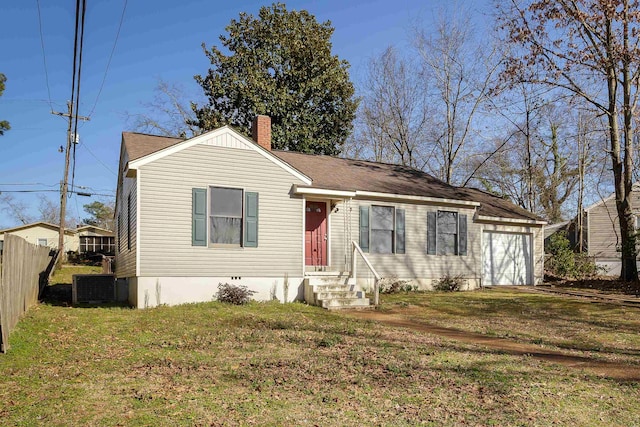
(523, 221)
(327, 192)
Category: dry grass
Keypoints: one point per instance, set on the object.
(289, 364)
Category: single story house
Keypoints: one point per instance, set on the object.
(84, 239)
(223, 208)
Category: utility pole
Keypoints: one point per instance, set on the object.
(64, 183)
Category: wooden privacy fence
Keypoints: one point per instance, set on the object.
(24, 270)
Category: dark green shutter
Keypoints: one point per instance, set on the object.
(364, 228)
(199, 217)
(399, 231)
(462, 234)
(251, 220)
(431, 233)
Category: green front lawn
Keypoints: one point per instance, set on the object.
(289, 364)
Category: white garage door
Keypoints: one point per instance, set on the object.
(507, 259)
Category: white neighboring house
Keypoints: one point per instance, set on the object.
(86, 238)
(224, 208)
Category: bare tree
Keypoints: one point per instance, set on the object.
(16, 209)
(393, 117)
(590, 49)
(49, 211)
(169, 113)
(461, 72)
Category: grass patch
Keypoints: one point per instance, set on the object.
(64, 275)
(603, 331)
(274, 364)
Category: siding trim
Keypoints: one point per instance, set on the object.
(303, 232)
(328, 213)
(138, 223)
(435, 200)
(136, 164)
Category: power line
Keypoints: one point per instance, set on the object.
(113, 49)
(98, 159)
(27, 183)
(43, 190)
(44, 57)
(75, 129)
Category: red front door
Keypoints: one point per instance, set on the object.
(315, 236)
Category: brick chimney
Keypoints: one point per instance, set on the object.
(261, 131)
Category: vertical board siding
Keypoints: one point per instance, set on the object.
(24, 268)
(166, 217)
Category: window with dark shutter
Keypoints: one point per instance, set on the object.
(446, 233)
(382, 229)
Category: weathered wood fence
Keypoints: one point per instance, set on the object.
(24, 271)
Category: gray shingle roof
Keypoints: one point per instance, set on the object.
(333, 173)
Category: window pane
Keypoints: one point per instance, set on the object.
(381, 242)
(226, 230)
(226, 202)
(446, 244)
(447, 222)
(382, 218)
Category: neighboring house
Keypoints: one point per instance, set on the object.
(92, 239)
(602, 231)
(83, 239)
(222, 208)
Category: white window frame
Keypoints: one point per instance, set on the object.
(456, 250)
(210, 216)
(393, 230)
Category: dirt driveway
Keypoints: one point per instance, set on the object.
(402, 318)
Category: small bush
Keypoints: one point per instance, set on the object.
(234, 294)
(448, 283)
(564, 262)
(392, 285)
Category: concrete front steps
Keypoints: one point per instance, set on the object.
(333, 291)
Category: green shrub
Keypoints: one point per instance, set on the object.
(234, 294)
(448, 283)
(564, 262)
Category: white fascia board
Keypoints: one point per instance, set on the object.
(310, 191)
(136, 164)
(435, 200)
(510, 220)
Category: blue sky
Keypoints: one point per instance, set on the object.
(160, 39)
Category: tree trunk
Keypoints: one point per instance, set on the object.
(625, 213)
